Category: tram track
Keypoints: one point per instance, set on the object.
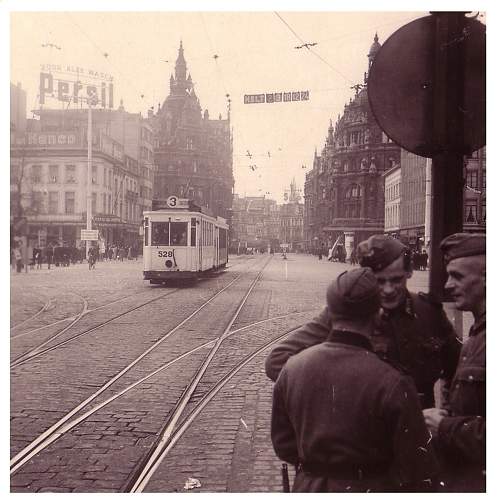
(43, 309)
(36, 352)
(51, 434)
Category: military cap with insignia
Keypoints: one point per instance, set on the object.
(379, 251)
(354, 293)
(459, 245)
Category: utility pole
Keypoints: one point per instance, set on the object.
(92, 101)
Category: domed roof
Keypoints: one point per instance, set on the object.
(375, 46)
(362, 97)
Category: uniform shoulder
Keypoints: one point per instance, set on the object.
(427, 298)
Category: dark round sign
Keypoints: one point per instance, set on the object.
(402, 81)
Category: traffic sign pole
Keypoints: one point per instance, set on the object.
(448, 131)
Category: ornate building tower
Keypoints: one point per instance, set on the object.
(349, 202)
(193, 153)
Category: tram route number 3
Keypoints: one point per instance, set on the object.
(165, 253)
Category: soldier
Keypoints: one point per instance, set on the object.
(460, 432)
(412, 331)
(348, 421)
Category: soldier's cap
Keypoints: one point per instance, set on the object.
(459, 245)
(354, 293)
(379, 251)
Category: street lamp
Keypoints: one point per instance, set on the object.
(92, 100)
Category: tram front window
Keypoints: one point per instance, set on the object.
(160, 233)
(179, 234)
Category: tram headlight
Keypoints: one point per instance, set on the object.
(169, 263)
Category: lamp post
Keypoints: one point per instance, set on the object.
(92, 101)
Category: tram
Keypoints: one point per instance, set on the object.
(180, 241)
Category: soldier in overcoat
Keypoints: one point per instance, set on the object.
(348, 421)
(412, 331)
(460, 432)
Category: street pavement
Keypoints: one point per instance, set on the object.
(228, 448)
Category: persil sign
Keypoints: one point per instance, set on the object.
(75, 91)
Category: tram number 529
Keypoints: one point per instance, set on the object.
(165, 253)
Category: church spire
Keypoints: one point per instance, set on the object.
(181, 65)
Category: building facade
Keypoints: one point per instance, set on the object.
(49, 165)
(193, 153)
(392, 196)
(255, 224)
(345, 191)
(17, 108)
(49, 188)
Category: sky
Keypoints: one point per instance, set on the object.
(255, 53)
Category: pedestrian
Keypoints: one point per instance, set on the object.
(92, 257)
(352, 258)
(129, 256)
(18, 257)
(38, 258)
(50, 254)
(114, 252)
(423, 260)
(122, 253)
(348, 421)
(329, 256)
(460, 431)
(412, 331)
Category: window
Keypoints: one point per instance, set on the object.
(146, 231)
(483, 213)
(471, 180)
(70, 202)
(94, 203)
(36, 173)
(178, 231)
(53, 202)
(160, 233)
(70, 174)
(94, 175)
(37, 202)
(53, 174)
(484, 179)
(470, 213)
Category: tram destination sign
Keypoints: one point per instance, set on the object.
(272, 97)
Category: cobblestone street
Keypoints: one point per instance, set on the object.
(110, 316)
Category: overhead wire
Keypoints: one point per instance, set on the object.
(312, 50)
(105, 54)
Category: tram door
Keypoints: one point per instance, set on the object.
(216, 246)
(201, 244)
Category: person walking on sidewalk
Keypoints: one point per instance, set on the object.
(18, 257)
(348, 421)
(49, 252)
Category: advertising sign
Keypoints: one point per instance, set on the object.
(69, 83)
(89, 234)
(302, 95)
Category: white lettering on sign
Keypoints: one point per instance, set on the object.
(105, 97)
(36, 139)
